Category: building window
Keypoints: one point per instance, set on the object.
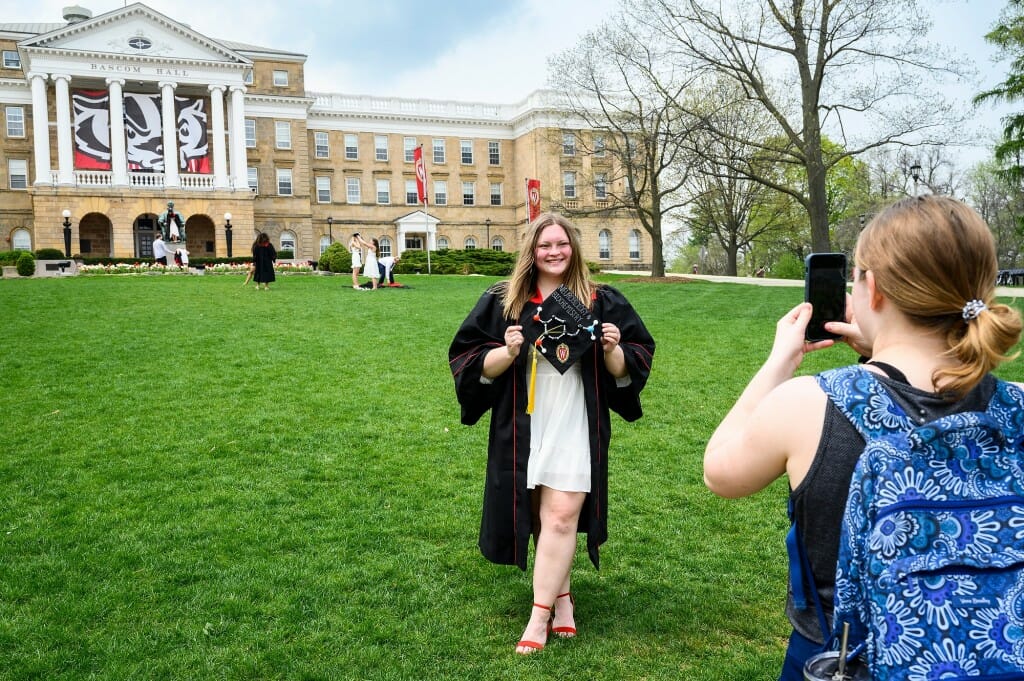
(470, 243)
(438, 151)
(414, 242)
(634, 244)
(599, 146)
(325, 243)
(380, 147)
(604, 244)
(288, 242)
(412, 196)
(568, 144)
(442, 243)
(323, 149)
(494, 153)
(385, 247)
(383, 192)
(283, 134)
(495, 193)
(440, 192)
(468, 193)
(353, 193)
(466, 149)
(323, 189)
(601, 186)
(15, 121)
(17, 170)
(280, 78)
(569, 185)
(351, 147)
(12, 60)
(284, 181)
(21, 240)
(249, 78)
(497, 244)
(252, 174)
(250, 133)
(409, 148)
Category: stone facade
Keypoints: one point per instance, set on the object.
(294, 147)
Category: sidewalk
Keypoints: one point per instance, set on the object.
(1012, 292)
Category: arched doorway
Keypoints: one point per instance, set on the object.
(96, 236)
(143, 231)
(200, 237)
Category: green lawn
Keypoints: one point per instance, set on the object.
(201, 481)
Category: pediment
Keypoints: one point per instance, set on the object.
(135, 31)
(417, 219)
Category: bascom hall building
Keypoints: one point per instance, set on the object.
(86, 150)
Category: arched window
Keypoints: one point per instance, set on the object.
(288, 241)
(325, 242)
(634, 244)
(470, 243)
(442, 243)
(385, 247)
(604, 244)
(21, 240)
(497, 244)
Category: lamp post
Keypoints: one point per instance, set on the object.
(227, 231)
(67, 232)
(487, 224)
(915, 172)
(330, 228)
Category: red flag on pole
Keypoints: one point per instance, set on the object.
(421, 175)
(533, 198)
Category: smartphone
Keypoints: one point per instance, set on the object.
(825, 290)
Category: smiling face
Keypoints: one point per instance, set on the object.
(553, 252)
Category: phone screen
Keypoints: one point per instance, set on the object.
(825, 290)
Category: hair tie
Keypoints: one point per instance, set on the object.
(973, 308)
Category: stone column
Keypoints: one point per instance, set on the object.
(118, 154)
(220, 166)
(239, 172)
(65, 159)
(40, 129)
(170, 129)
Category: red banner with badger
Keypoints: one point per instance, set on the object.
(92, 129)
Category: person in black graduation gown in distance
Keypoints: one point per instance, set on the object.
(547, 472)
(263, 258)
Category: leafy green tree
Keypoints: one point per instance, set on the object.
(1008, 36)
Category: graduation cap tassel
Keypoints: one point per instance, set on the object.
(533, 381)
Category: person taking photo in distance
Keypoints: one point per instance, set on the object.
(547, 458)
(923, 316)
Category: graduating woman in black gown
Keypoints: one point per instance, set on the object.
(547, 472)
(263, 258)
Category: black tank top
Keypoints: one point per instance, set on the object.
(820, 499)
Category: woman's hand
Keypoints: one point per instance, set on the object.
(514, 340)
(610, 337)
(790, 347)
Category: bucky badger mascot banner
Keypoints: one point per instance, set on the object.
(143, 129)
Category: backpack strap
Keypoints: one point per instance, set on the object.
(864, 401)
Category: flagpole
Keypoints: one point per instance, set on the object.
(426, 217)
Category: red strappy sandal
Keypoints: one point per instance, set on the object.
(533, 644)
(566, 632)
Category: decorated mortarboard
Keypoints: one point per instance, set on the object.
(561, 329)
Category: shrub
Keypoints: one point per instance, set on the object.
(447, 261)
(50, 254)
(788, 267)
(26, 264)
(336, 259)
(286, 255)
(9, 258)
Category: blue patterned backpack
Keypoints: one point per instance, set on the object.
(930, 576)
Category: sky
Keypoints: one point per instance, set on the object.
(470, 50)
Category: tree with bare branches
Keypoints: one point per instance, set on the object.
(619, 83)
(860, 71)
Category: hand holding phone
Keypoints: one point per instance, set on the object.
(825, 290)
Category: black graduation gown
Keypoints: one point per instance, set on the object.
(263, 257)
(507, 517)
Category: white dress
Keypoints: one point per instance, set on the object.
(356, 256)
(370, 268)
(559, 437)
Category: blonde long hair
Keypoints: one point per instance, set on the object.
(523, 284)
(930, 256)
